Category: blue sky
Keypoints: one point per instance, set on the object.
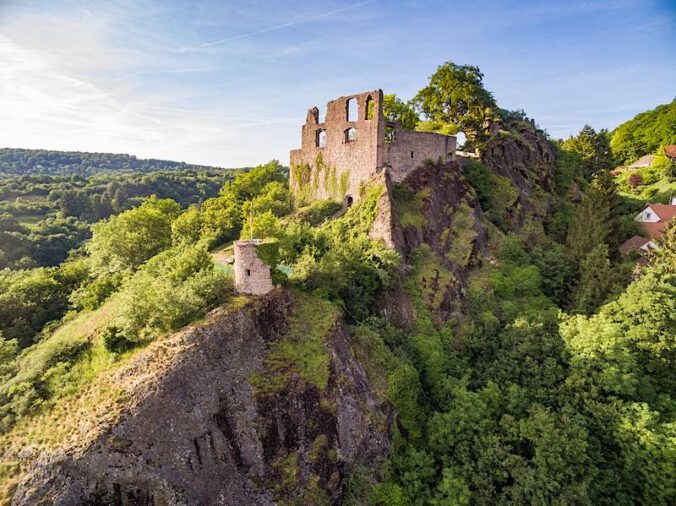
(228, 82)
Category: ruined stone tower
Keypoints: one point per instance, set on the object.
(354, 142)
(252, 275)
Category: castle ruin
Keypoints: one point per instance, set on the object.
(354, 142)
(252, 275)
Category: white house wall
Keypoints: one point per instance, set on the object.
(647, 216)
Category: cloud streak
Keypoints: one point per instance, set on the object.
(280, 26)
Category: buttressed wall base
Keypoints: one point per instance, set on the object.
(354, 142)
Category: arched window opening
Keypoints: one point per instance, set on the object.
(389, 134)
(350, 135)
(370, 107)
(320, 139)
(352, 109)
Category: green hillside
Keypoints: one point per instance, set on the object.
(645, 133)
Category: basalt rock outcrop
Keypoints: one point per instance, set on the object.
(436, 227)
(520, 152)
(197, 432)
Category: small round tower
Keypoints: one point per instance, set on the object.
(252, 275)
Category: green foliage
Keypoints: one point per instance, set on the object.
(558, 272)
(351, 272)
(40, 161)
(301, 349)
(497, 195)
(187, 227)
(125, 241)
(395, 109)
(596, 280)
(622, 379)
(262, 226)
(172, 289)
(593, 150)
(31, 298)
(39, 374)
(596, 218)
(318, 211)
(463, 234)
(645, 133)
(54, 211)
(664, 165)
(262, 191)
(45, 244)
(456, 96)
(114, 340)
(410, 205)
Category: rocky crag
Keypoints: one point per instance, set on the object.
(216, 421)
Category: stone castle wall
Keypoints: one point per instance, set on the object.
(252, 275)
(331, 164)
(346, 164)
(409, 150)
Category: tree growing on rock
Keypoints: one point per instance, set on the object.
(456, 96)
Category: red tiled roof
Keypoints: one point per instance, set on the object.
(664, 211)
(633, 243)
(670, 150)
(654, 230)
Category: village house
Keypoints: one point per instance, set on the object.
(654, 219)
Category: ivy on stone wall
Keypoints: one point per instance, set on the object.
(306, 179)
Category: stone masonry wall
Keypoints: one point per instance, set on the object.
(409, 150)
(331, 165)
(252, 275)
(357, 159)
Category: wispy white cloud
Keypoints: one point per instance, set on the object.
(210, 44)
(44, 104)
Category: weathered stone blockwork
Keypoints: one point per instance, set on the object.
(350, 146)
(252, 275)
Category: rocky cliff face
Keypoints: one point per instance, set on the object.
(195, 430)
(435, 223)
(521, 153)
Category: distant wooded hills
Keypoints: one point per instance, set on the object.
(66, 163)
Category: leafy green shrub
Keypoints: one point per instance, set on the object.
(91, 295)
(318, 211)
(31, 298)
(511, 250)
(114, 340)
(497, 195)
(127, 240)
(172, 289)
(351, 272)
